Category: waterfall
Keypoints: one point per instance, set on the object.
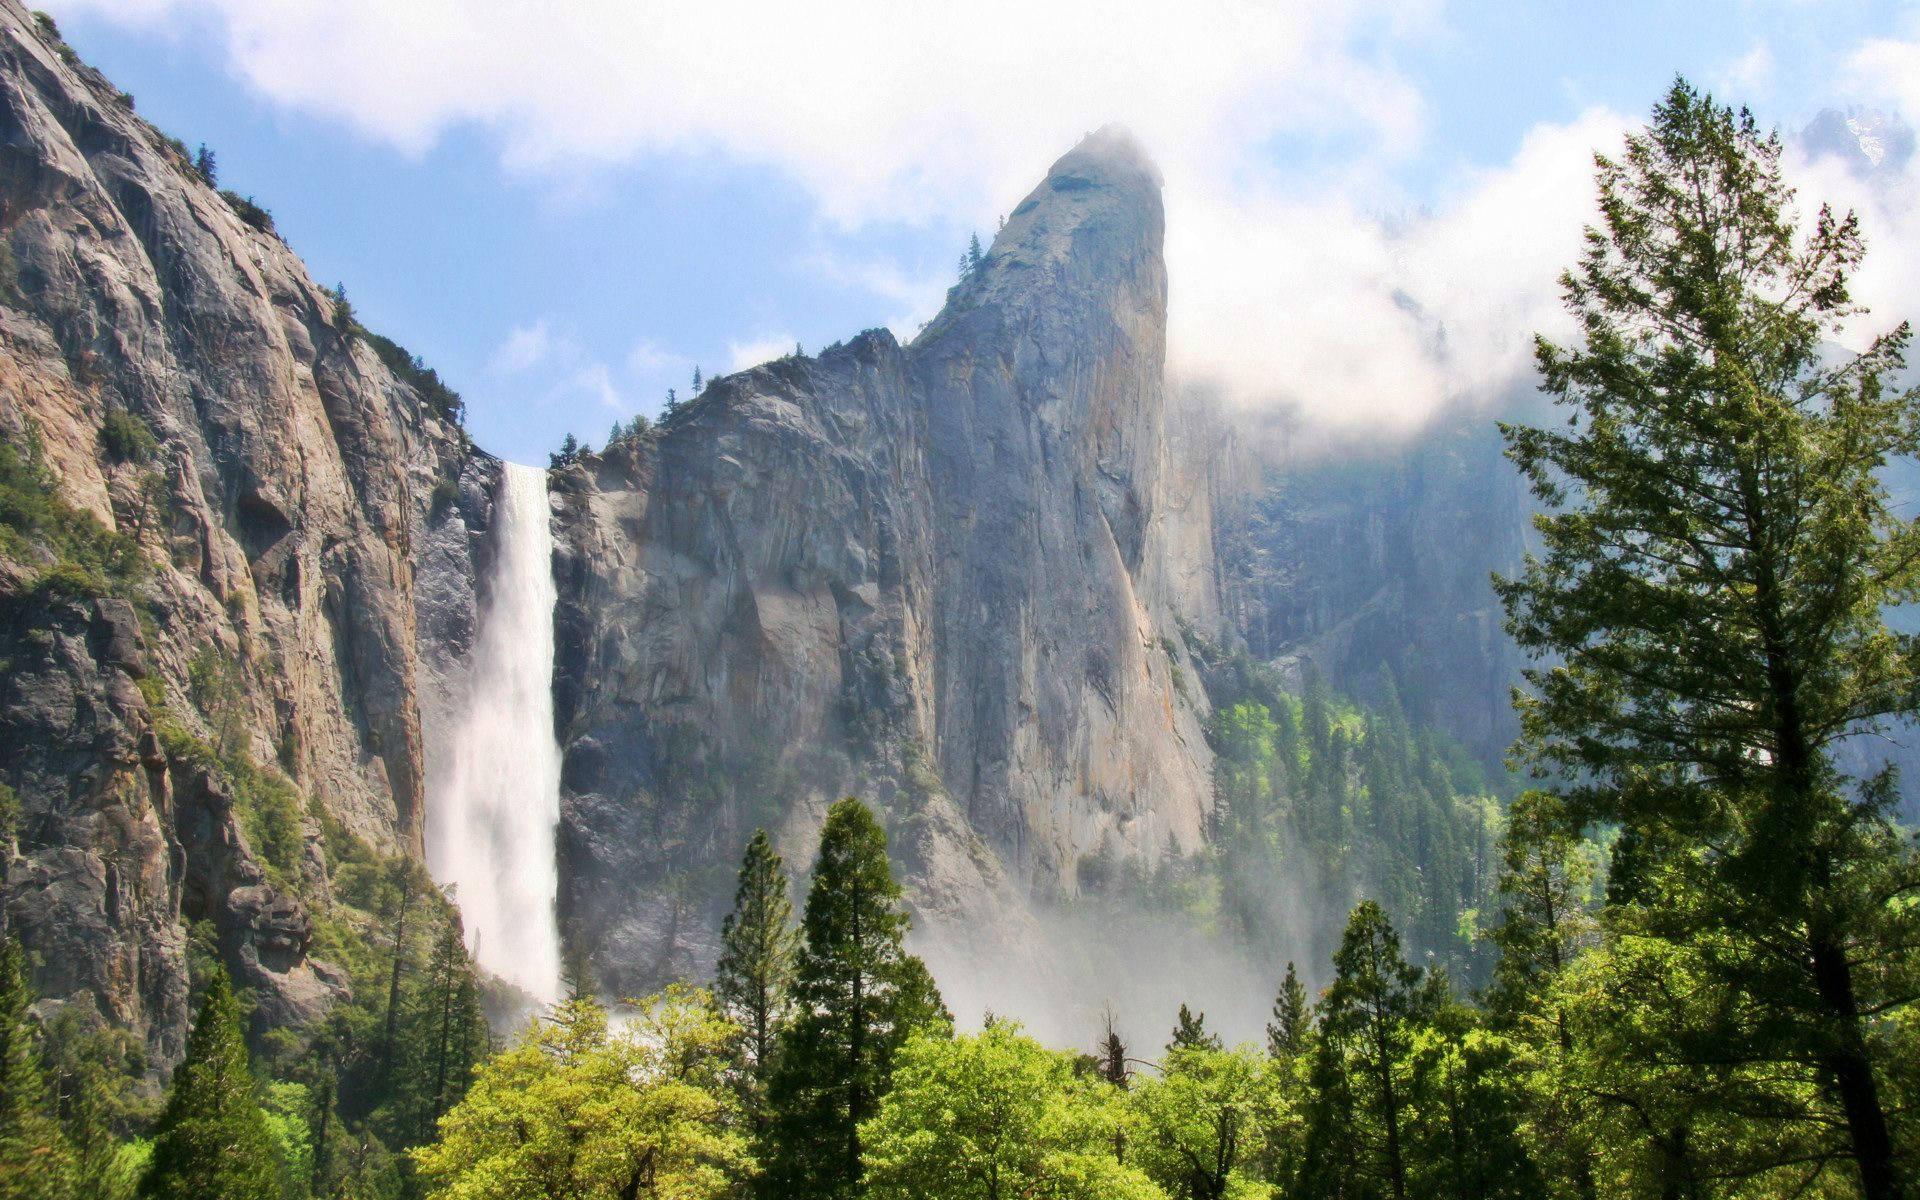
(492, 815)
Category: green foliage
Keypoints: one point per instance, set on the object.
(79, 555)
(857, 996)
(268, 804)
(36, 1161)
(249, 212)
(995, 1115)
(1205, 1122)
(126, 437)
(1190, 1032)
(579, 1111)
(89, 1064)
(1290, 1033)
(408, 369)
(212, 1141)
(1338, 799)
(1707, 608)
(1406, 1097)
(446, 493)
(753, 980)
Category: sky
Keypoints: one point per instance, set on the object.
(567, 207)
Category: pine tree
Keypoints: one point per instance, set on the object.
(36, 1162)
(974, 256)
(211, 1142)
(672, 405)
(857, 995)
(1292, 1024)
(205, 166)
(1709, 597)
(698, 385)
(1357, 1119)
(754, 976)
(1190, 1032)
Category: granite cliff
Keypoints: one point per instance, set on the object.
(173, 383)
(936, 574)
(974, 578)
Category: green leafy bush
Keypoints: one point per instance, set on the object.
(126, 437)
(36, 523)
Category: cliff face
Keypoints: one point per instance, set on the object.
(179, 377)
(1373, 563)
(956, 577)
(938, 575)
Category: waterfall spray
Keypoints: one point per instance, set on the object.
(491, 820)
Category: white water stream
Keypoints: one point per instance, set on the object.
(491, 820)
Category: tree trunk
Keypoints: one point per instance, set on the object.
(1852, 1074)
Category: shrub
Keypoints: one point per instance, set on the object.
(88, 558)
(244, 208)
(126, 437)
(424, 380)
(445, 493)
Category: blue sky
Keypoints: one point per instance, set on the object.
(565, 208)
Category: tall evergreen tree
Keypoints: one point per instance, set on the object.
(1716, 561)
(212, 1142)
(1357, 1122)
(754, 976)
(36, 1162)
(857, 995)
(1190, 1032)
(1292, 1024)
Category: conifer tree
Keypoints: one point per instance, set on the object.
(974, 255)
(754, 976)
(1708, 599)
(1190, 1032)
(36, 1162)
(698, 384)
(205, 166)
(212, 1142)
(1357, 1121)
(1292, 1022)
(857, 996)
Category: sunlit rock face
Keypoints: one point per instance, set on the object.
(282, 509)
(960, 577)
(938, 575)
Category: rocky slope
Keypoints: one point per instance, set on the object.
(168, 365)
(962, 577)
(938, 574)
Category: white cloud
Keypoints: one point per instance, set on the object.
(1363, 322)
(741, 355)
(526, 347)
(880, 109)
(649, 357)
(1749, 75)
(594, 381)
(1283, 289)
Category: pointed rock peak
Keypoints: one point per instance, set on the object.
(1091, 233)
(1107, 157)
(1106, 179)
